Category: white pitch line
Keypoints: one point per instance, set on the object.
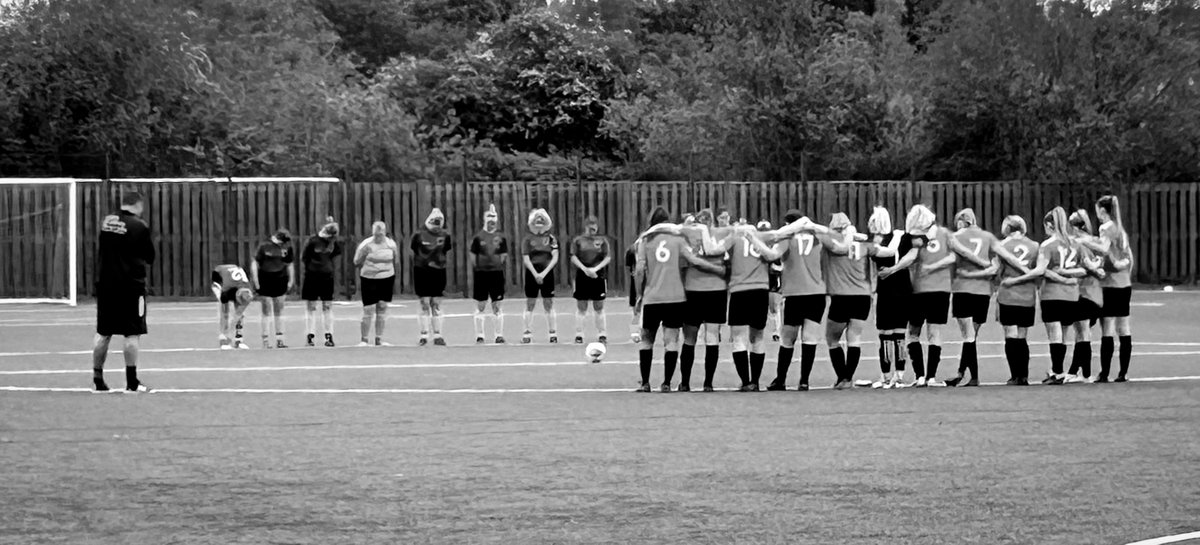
(476, 365)
(1168, 539)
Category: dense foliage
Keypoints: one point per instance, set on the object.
(638, 89)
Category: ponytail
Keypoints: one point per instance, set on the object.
(1057, 221)
(1112, 205)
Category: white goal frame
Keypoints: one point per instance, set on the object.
(72, 241)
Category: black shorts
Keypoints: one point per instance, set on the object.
(971, 305)
(533, 289)
(272, 285)
(1087, 309)
(1059, 311)
(891, 310)
(1012, 315)
(843, 308)
(588, 288)
(1116, 302)
(375, 290)
(798, 308)
(775, 283)
(429, 282)
(706, 307)
(228, 296)
(931, 306)
(489, 285)
(668, 315)
(749, 308)
(121, 312)
(317, 287)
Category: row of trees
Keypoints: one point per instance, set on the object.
(638, 89)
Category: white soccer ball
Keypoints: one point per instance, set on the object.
(1168, 289)
(595, 352)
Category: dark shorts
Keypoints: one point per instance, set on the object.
(375, 290)
(1011, 315)
(488, 285)
(121, 312)
(706, 307)
(843, 308)
(1087, 309)
(891, 310)
(971, 305)
(533, 289)
(272, 285)
(590, 289)
(317, 287)
(798, 308)
(668, 315)
(1059, 311)
(1116, 302)
(775, 283)
(429, 282)
(228, 296)
(749, 308)
(932, 307)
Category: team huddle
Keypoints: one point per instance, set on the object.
(706, 272)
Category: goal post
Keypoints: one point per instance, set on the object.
(39, 260)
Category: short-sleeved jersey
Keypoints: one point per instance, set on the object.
(1118, 249)
(273, 259)
(540, 249)
(1060, 254)
(631, 258)
(748, 270)
(898, 283)
(318, 254)
(430, 249)
(1025, 293)
(850, 274)
(979, 242)
(591, 250)
(125, 251)
(1089, 286)
(663, 255)
(488, 249)
(803, 272)
(378, 258)
(230, 278)
(696, 279)
(934, 250)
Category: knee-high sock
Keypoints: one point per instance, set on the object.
(365, 326)
(480, 322)
(808, 356)
(1058, 352)
(265, 322)
(970, 359)
(669, 359)
(602, 323)
(853, 353)
(423, 319)
(1126, 352)
(498, 322)
(580, 317)
(931, 363)
(898, 352)
(1106, 354)
(757, 359)
(918, 358)
(1024, 369)
(741, 364)
(327, 318)
(1082, 358)
(644, 358)
(552, 321)
(310, 321)
(838, 358)
(885, 354)
(279, 321)
(1012, 354)
(438, 320)
(687, 356)
(527, 317)
(711, 356)
(785, 361)
(380, 322)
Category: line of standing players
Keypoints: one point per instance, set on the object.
(707, 272)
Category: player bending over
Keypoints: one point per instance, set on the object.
(273, 276)
(430, 246)
(489, 259)
(540, 257)
(231, 286)
(317, 258)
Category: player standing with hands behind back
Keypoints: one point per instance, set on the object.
(273, 275)
(125, 251)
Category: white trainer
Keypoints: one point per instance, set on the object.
(935, 383)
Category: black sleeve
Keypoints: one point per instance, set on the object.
(475, 245)
(337, 248)
(414, 243)
(307, 255)
(146, 244)
(446, 245)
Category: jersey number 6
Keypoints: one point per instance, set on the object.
(662, 254)
(238, 274)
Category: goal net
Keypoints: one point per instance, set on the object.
(38, 261)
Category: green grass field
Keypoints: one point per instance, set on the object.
(467, 444)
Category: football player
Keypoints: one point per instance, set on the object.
(540, 256)
(590, 257)
(1113, 244)
(931, 277)
(848, 278)
(1091, 298)
(231, 286)
(1058, 263)
(377, 259)
(317, 258)
(1017, 298)
(429, 245)
(489, 251)
(893, 296)
(273, 275)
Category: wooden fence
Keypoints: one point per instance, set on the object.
(199, 224)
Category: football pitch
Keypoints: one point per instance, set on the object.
(531, 444)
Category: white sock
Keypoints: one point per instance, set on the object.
(310, 321)
(437, 324)
(601, 323)
(423, 321)
(499, 323)
(580, 317)
(528, 317)
(552, 321)
(480, 319)
(327, 317)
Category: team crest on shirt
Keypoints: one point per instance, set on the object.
(439, 240)
(599, 244)
(496, 240)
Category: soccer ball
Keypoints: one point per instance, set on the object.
(595, 352)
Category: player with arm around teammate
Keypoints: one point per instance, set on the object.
(1058, 262)
(1091, 298)
(231, 286)
(1017, 298)
(931, 277)
(971, 289)
(1113, 244)
(273, 273)
(489, 260)
(590, 257)
(749, 299)
(893, 296)
(429, 245)
(849, 280)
